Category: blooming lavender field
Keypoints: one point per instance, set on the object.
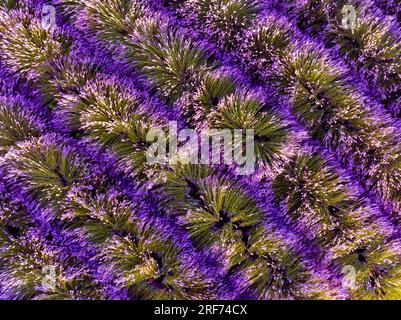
(85, 215)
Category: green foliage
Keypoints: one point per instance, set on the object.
(380, 153)
(25, 257)
(63, 79)
(264, 45)
(222, 206)
(182, 185)
(151, 268)
(101, 107)
(117, 120)
(215, 213)
(25, 260)
(368, 35)
(246, 112)
(27, 46)
(9, 4)
(142, 259)
(272, 270)
(46, 169)
(113, 20)
(170, 60)
(307, 67)
(226, 19)
(331, 111)
(313, 16)
(376, 263)
(336, 115)
(317, 199)
(372, 47)
(16, 125)
(308, 181)
(211, 91)
(100, 214)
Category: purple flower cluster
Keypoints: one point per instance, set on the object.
(84, 215)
